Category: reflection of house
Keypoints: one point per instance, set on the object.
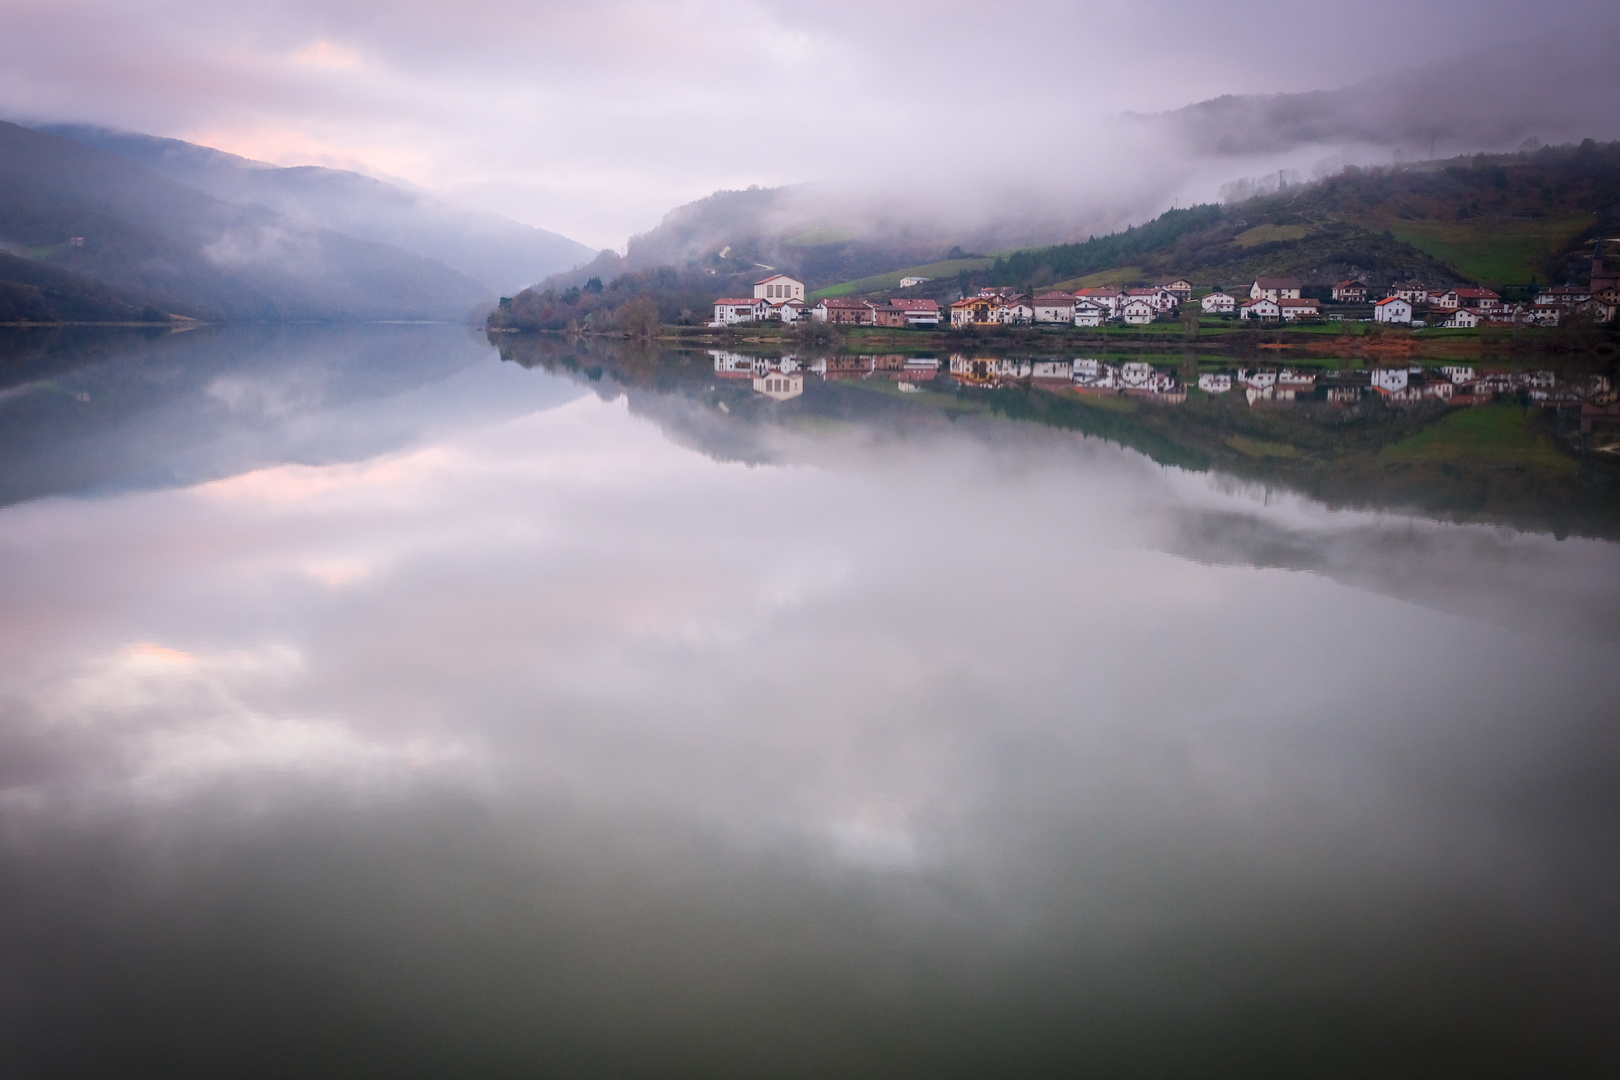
(1274, 288)
(1136, 375)
(847, 367)
(779, 287)
(1262, 308)
(1393, 310)
(918, 312)
(917, 369)
(1139, 311)
(1291, 385)
(1257, 380)
(734, 309)
(730, 365)
(1389, 380)
(1214, 384)
(1458, 373)
(1298, 309)
(1350, 291)
(1218, 303)
(780, 385)
(1052, 374)
(1054, 308)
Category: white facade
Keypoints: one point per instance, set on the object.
(1136, 375)
(1051, 309)
(1261, 309)
(779, 287)
(1218, 303)
(1139, 312)
(908, 282)
(1393, 310)
(1214, 384)
(737, 310)
(1052, 369)
(1463, 318)
(1298, 309)
(1458, 374)
(1088, 314)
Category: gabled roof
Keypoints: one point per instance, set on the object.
(1277, 282)
(739, 301)
(1391, 300)
(1350, 282)
(1258, 300)
(840, 302)
(1100, 292)
(914, 305)
(1143, 292)
(1060, 297)
(778, 277)
(1289, 302)
(1478, 294)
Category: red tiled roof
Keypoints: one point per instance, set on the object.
(1389, 300)
(774, 277)
(1277, 282)
(914, 305)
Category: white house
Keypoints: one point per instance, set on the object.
(735, 309)
(1257, 380)
(780, 385)
(1261, 308)
(1017, 311)
(1112, 299)
(909, 282)
(1053, 369)
(1274, 288)
(1139, 311)
(779, 287)
(1214, 384)
(1463, 318)
(1161, 299)
(1087, 313)
(1054, 308)
(1298, 309)
(1219, 303)
(1392, 310)
(1458, 373)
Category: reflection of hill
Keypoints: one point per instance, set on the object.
(1495, 464)
(85, 408)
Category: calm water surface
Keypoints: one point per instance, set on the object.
(372, 707)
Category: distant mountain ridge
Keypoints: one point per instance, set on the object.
(146, 240)
(501, 254)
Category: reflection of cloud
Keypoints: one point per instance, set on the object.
(158, 723)
(339, 572)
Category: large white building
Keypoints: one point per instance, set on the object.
(779, 287)
(1218, 303)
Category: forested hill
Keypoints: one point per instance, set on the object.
(1490, 219)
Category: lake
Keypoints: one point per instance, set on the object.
(388, 701)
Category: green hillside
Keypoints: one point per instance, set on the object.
(1489, 219)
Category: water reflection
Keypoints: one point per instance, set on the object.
(511, 722)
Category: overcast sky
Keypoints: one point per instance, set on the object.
(593, 119)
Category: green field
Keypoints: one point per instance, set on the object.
(1266, 234)
(891, 280)
(1491, 251)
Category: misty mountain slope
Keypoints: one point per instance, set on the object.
(1554, 89)
(199, 255)
(1496, 220)
(501, 254)
(33, 292)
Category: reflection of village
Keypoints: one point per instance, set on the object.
(1455, 385)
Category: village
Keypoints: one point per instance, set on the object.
(1275, 300)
